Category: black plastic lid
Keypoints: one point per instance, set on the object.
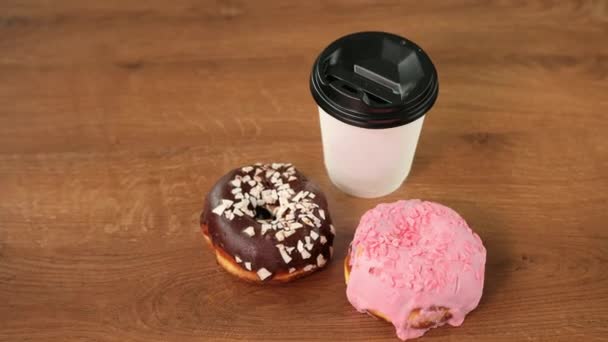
(374, 80)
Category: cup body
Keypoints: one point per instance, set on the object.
(367, 162)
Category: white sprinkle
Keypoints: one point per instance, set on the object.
(227, 203)
(257, 179)
(290, 217)
(292, 178)
(265, 227)
(242, 204)
(332, 229)
(298, 197)
(300, 246)
(236, 183)
(331, 252)
(248, 265)
(257, 172)
(314, 235)
(237, 212)
(322, 213)
(280, 235)
(236, 190)
(249, 213)
(263, 273)
(247, 178)
(291, 169)
(305, 254)
(309, 268)
(307, 221)
(236, 257)
(321, 260)
(288, 233)
(276, 165)
(284, 255)
(290, 249)
(292, 269)
(255, 192)
(295, 225)
(238, 196)
(252, 183)
(283, 202)
(247, 168)
(249, 231)
(219, 210)
(267, 195)
(323, 239)
(312, 195)
(229, 215)
(269, 173)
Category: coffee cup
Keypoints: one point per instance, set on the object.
(373, 90)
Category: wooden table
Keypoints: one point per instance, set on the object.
(116, 117)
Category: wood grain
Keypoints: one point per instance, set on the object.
(116, 117)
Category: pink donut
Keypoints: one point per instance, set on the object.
(415, 264)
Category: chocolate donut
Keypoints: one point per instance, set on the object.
(268, 223)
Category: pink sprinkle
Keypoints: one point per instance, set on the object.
(383, 250)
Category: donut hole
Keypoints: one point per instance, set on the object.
(263, 214)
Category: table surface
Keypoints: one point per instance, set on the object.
(116, 117)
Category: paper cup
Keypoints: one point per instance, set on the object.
(368, 162)
(373, 90)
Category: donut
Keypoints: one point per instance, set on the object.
(415, 264)
(268, 223)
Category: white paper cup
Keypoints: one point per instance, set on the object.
(367, 162)
(373, 91)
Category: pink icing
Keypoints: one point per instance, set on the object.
(414, 254)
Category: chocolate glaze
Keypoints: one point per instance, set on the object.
(261, 250)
